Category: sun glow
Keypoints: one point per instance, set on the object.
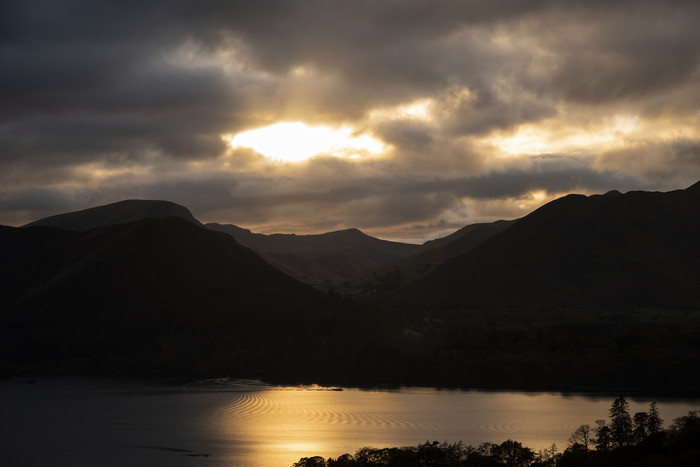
(420, 109)
(542, 139)
(295, 141)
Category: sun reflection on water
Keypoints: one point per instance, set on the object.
(226, 422)
(278, 426)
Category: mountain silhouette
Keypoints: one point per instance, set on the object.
(169, 297)
(121, 212)
(330, 257)
(333, 256)
(116, 293)
(634, 249)
(422, 260)
(435, 252)
(440, 250)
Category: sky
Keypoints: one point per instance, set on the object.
(407, 119)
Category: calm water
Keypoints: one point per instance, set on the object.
(76, 422)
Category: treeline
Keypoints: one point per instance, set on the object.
(557, 349)
(623, 440)
(560, 349)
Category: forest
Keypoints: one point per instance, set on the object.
(622, 350)
(624, 439)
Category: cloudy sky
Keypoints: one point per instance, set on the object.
(405, 118)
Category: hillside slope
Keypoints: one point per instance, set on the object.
(149, 296)
(636, 249)
(121, 212)
(442, 249)
(333, 256)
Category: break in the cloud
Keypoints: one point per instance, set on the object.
(466, 111)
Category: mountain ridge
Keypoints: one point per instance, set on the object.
(154, 295)
(441, 249)
(636, 248)
(318, 258)
(120, 212)
(586, 293)
(331, 256)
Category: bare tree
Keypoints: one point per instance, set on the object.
(581, 437)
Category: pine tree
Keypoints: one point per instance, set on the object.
(602, 436)
(620, 423)
(654, 421)
(641, 427)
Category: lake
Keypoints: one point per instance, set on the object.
(225, 422)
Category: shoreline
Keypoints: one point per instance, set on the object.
(250, 382)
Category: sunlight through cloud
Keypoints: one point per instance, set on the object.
(295, 141)
(420, 109)
(547, 139)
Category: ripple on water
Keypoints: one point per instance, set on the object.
(249, 398)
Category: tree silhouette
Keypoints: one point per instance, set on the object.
(684, 433)
(620, 423)
(316, 461)
(641, 427)
(512, 454)
(547, 457)
(603, 440)
(679, 445)
(581, 437)
(654, 422)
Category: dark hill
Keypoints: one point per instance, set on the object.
(333, 256)
(121, 212)
(438, 251)
(157, 295)
(633, 249)
(329, 257)
(422, 260)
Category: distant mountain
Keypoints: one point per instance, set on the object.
(121, 212)
(633, 249)
(423, 260)
(333, 256)
(146, 296)
(167, 297)
(330, 257)
(440, 250)
(435, 252)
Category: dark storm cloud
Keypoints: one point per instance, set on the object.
(22, 205)
(85, 79)
(624, 51)
(144, 91)
(37, 199)
(676, 161)
(176, 110)
(383, 197)
(347, 195)
(75, 59)
(550, 174)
